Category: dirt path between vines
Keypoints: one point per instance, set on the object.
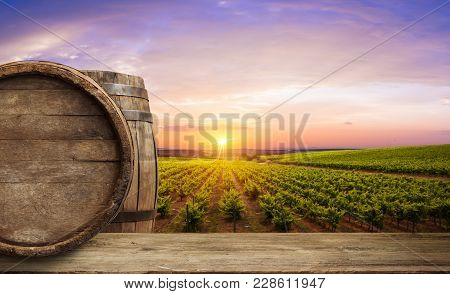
(167, 224)
(214, 222)
(253, 220)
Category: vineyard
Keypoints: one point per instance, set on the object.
(206, 195)
(432, 160)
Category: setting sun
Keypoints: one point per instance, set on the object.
(222, 141)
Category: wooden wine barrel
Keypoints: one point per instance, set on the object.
(129, 93)
(66, 158)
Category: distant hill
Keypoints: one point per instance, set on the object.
(233, 153)
(433, 160)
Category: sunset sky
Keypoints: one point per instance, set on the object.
(249, 56)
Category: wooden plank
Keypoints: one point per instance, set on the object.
(147, 173)
(114, 77)
(76, 150)
(153, 166)
(131, 203)
(248, 253)
(33, 82)
(143, 190)
(14, 127)
(147, 160)
(41, 213)
(58, 172)
(48, 102)
(131, 103)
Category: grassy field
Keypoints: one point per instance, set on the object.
(431, 160)
(206, 195)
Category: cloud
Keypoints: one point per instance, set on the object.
(444, 132)
(205, 58)
(40, 44)
(445, 101)
(68, 55)
(223, 3)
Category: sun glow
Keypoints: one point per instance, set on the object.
(222, 142)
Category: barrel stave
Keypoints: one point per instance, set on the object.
(142, 196)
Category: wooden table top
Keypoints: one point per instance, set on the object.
(247, 253)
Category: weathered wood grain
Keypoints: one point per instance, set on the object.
(248, 253)
(46, 212)
(20, 127)
(131, 203)
(69, 101)
(126, 102)
(147, 174)
(33, 82)
(57, 150)
(115, 78)
(58, 172)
